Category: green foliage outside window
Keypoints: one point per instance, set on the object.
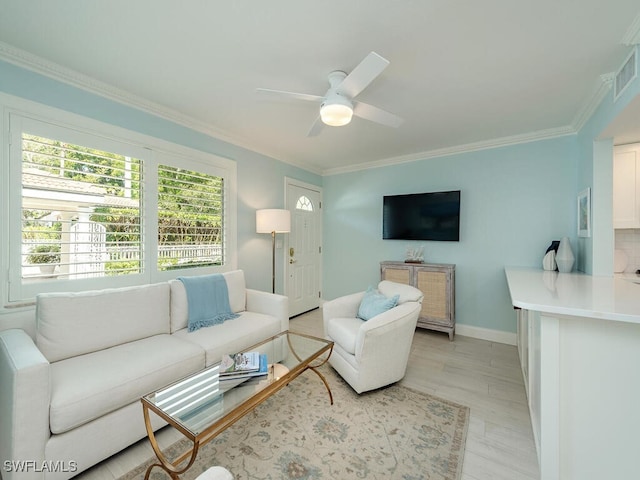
(189, 203)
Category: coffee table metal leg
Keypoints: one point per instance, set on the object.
(324, 380)
(314, 367)
(165, 464)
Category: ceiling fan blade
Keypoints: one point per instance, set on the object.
(361, 76)
(297, 96)
(316, 128)
(375, 114)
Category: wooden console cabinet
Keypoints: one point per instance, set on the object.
(437, 282)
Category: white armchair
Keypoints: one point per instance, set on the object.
(373, 353)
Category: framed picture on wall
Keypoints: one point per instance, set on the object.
(584, 213)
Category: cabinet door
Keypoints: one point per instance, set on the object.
(397, 273)
(435, 286)
(523, 345)
(626, 175)
(533, 390)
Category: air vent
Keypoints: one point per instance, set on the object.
(625, 75)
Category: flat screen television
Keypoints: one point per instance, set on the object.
(422, 216)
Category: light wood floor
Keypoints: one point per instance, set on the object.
(482, 375)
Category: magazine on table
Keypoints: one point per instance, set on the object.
(240, 362)
(262, 370)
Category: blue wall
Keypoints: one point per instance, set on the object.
(260, 178)
(514, 201)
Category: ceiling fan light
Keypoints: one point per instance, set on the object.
(336, 114)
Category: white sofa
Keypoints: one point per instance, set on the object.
(70, 397)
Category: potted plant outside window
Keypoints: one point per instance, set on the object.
(46, 256)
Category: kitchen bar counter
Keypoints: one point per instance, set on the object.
(579, 345)
(608, 298)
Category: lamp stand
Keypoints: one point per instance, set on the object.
(273, 262)
(273, 220)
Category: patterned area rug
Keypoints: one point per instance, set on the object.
(390, 433)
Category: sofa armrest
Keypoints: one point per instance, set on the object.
(24, 403)
(341, 307)
(269, 304)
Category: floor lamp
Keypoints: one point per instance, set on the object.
(273, 220)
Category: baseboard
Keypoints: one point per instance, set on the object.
(486, 334)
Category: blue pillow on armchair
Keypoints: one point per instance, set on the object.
(374, 303)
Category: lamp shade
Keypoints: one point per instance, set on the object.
(273, 220)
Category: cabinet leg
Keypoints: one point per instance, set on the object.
(451, 335)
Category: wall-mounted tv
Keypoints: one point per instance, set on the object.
(422, 216)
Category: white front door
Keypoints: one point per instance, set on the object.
(303, 252)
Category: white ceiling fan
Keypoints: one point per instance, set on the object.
(337, 106)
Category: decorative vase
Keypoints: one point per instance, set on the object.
(549, 261)
(564, 257)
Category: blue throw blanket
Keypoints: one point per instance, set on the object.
(208, 301)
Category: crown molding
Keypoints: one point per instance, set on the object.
(59, 73)
(600, 91)
(52, 70)
(458, 149)
(632, 35)
(71, 77)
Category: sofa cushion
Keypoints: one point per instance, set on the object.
(232, 336)
(344, 332)
(101, 318)
(180, 308)
(89, 386)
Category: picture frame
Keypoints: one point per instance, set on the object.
(584, 213)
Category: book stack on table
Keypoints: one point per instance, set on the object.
(243, 365)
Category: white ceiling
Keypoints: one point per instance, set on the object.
(463, 74)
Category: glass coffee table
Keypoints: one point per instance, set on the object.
(204, 404)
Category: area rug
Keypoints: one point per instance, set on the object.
(390, 433)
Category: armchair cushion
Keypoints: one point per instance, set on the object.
(374, 303)
(344, 332)
(405, 293)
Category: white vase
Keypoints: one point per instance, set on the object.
(564, 257)
(549, 261)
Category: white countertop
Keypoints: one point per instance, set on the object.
(576, 294)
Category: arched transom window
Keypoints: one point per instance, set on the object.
(304, 203)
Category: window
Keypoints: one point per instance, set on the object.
(304, 203)
(189, 218)
(89, 210)
(81, 214)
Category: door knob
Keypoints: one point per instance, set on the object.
(291, 260)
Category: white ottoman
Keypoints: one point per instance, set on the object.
(215, 473)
